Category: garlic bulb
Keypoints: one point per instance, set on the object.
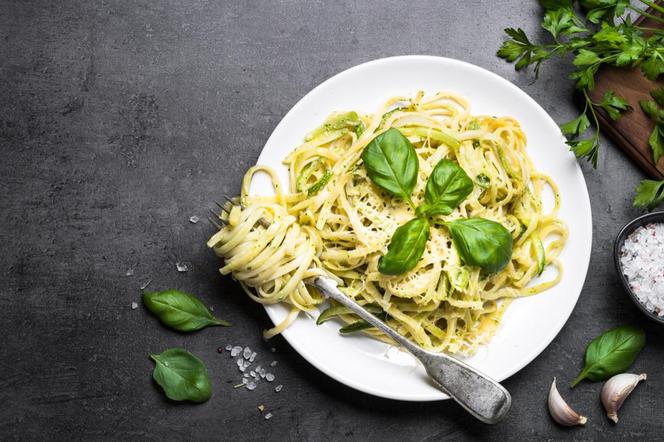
(560, 411)
(616, 390)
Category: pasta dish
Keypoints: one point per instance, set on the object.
(430, 217)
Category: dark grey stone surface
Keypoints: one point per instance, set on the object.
(120, 119)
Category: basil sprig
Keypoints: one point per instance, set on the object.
(406, 247)
(482, 243)
(447, 187)
(392, 164)
(180, 311)
(611, 353)
(181, 375)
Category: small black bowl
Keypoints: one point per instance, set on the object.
(654, 217)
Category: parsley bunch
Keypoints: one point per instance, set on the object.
(604, 35)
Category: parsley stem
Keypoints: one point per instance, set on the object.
(645, 14)
(653, 5)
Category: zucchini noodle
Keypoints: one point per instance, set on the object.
(334, 221)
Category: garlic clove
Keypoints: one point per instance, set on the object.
(560, 411)
(616, 390)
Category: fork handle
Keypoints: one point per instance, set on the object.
(482, 396)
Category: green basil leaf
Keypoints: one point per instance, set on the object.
(181, 375)
(391, 163)
(180, 311)
(406, 247)
(611, 353)
(447, 187)
(482, 243)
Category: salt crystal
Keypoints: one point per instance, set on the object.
(236, 351)
(246, 353)
(278, 388)
(642, 261)
(269, 377)
(245, 381)
(194, 219)
(261, 407)
(130, 272)
(273, 364)
(252, 357)
(134, 306)
(240, 363)
(229, 347)
(252, 373)
(146, 284)
(268, 416)
(251, 385)
(182, 266)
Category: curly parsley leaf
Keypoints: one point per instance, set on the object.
(649, 194)
(562, 21)
(653, 67)
(614, 105)
(576, 126)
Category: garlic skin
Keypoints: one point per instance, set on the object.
(616, 390)
(560, 411)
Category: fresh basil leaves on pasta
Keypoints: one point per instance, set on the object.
(447, 187)
(180, 311)
(181, 375)
(482, 242)
(406, 247)
(391, 163)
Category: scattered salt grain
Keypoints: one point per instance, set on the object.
(130, 272)
(236, 351)
(134, 306)
(252, 357)
(229, 347)
(194, 219)
(252, 374)
(246, 353)
(182, 266)
(278, 388)
(273, 364)
(251, 385)
(642, 260)
(146, 284)
(269, 377)
(268, 416)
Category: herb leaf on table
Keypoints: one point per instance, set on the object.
(611, 353)
(649, 194)
(181, 375)
(180, 311)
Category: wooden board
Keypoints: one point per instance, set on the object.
(632, 130)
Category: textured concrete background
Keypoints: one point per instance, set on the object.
(120, 119)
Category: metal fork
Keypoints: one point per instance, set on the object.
(480, 395)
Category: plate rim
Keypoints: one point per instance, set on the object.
(588, 228)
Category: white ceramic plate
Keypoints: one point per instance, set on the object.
(529, 324)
